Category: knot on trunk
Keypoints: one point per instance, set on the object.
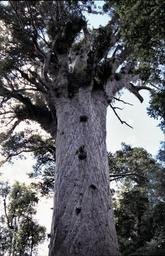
(83, 118)
(78, 210)
(82, 154)
(93, 187)
(48, 235)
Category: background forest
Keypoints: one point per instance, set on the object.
(139, 206)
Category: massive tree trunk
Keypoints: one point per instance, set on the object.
(82, 222)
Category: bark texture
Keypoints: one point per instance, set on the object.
(82, 222)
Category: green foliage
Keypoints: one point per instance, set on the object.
(5, 240)
(161, 154)
(157, 107)
(140, 202)
(19, 231)
(142, 30)
(133, 164)
(133, 225)
(34, 232)
(21, 199)
(43, 149)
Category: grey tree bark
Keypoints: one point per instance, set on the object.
(83, 221)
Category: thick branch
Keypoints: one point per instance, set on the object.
(40, 86)
(31, 150)
(47, 61)
(124, 79)
(105, 39)
(65, 39)
(4, 92)
(42, 114)
(135, 90)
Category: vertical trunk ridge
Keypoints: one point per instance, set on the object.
(83, 217)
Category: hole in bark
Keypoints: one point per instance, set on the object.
(78, 210)
(82, 156)
(81, 153)
(93, 187)
(83, 118)
(49, 235)
(62, 133)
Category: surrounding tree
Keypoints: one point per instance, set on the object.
(59, 73)
(139, 203)
(161, 154)
(19, 231)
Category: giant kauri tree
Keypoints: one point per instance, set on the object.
(58, 72)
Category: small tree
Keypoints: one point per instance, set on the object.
(20, 232)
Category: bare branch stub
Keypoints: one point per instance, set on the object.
(121, 121)
(125, 102)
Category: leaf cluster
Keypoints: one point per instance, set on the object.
(139, 206)
(20, 233)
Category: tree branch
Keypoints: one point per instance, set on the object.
(40, 114)
(19, 153)
(13, 94)
(122, 122)
(135, 90)
(36, 34)
(32, 80)
(127, 103)
(17, 122)
(123, 175)
(6, 215)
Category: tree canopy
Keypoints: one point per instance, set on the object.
(36, 35)
(139, 202)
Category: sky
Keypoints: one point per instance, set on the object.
(145, 133)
